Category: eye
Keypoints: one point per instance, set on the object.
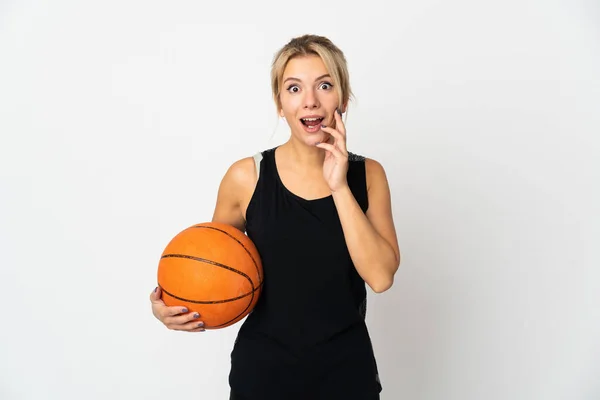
(293, 89)
(325, 85)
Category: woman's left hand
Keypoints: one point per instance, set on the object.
(335, 165)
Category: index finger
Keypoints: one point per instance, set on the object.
(339, 124)
(176, 310)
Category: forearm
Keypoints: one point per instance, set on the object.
(373, 257)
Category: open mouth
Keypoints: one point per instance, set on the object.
(311, 122)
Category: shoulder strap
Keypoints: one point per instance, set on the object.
(257, 159)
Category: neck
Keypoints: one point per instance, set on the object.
(302, 154)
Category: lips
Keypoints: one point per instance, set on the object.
(312, 120)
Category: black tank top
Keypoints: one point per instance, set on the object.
(311, 289)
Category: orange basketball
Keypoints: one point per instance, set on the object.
(213, 269)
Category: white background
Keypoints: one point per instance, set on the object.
(119, 118)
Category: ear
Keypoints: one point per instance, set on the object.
(281, 112)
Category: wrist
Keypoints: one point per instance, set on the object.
(343, 190)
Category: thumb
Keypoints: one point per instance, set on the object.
(155, 296)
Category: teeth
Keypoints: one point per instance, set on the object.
(311, 119)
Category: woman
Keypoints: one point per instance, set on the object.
(321, 219)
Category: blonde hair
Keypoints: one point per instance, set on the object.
(332, 57)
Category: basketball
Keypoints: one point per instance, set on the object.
(213, 269)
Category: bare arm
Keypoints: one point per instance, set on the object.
(234, 193)
(371, 238)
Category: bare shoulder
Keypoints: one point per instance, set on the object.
(235, 191)
(375, 173)
(242, 173)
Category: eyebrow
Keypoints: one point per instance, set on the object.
(291, 78)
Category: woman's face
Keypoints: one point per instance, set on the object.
(308, 99)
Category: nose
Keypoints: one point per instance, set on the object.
(310, 99)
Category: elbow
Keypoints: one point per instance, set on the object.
(384, 281)
(381, 285)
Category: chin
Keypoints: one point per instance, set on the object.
(310, 139)
(313, 139)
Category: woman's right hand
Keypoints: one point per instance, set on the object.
(175, 318)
